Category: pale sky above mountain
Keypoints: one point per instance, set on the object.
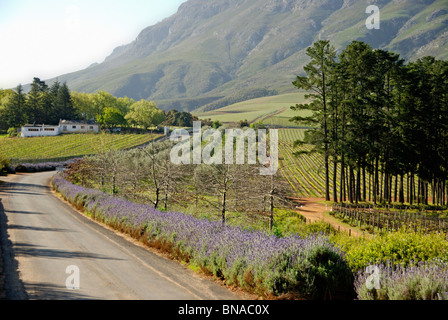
(48, 38)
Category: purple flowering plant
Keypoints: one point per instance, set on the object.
(259, 262)
(416, 281)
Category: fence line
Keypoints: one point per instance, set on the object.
(385, 220)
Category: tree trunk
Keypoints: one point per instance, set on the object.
(375, 182)
(223, 208)
(156, 202)
(364, 187)
(433, 189)
(271, 212)
(351, 185)
(401, 200)
(335, 177)
(114, 188)
(396, 189)
(166, 200)
(358, 185)
(342, 184)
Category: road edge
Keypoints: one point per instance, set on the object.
(243, 294)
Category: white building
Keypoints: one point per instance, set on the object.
(65, 126)
(31, 130)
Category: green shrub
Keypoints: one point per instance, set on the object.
(12, 132)
(398, 247)
(289, 222)
(3, 163)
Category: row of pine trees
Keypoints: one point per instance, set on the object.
(43, 104)
(379, 122)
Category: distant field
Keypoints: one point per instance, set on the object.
(304, 173)
(282, 119)
(66, 146)
(268, 109)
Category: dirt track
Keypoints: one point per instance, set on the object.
(314, 209)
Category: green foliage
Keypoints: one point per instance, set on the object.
(315, 273)
(12, 132)
(243, 123)
(321, 272)
(3, 163)
(259, 125)
(111, 117)
(216, 124)
(397, 247)
(145, 114)
(91, 106)
(287, 223)
(179, 119)
(12, 108)
(374, 114)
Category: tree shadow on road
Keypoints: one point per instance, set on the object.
(48, 291)
(11, 287)
(25, 249)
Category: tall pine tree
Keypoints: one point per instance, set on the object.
(317, 82)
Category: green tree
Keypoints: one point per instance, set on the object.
(112, 117)
(124, 104)
(15, 108)
(182, 119)
(84, 105)
(102, 100)
(216, 124)
(358, 63)
(145, 114)
(63, 104)
(34, 101)
(6, 113)
(318, 71)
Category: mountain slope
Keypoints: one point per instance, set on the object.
(210, 49)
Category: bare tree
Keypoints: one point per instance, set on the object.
(220, 181)
(158, 165)
(133, 172)
(170, 175)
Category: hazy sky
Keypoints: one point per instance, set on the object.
(48, 38)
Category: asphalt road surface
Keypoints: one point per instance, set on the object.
(51, 252)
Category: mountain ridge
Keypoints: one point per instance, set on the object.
(210, 49)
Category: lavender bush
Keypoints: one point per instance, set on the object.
(41, 167)
(259, 262)
(422, 281)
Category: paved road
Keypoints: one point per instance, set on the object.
(42, 237)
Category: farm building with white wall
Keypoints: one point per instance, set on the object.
(65, 126)
(32, 130)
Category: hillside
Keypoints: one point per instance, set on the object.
(211, 49)
(272, 110)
